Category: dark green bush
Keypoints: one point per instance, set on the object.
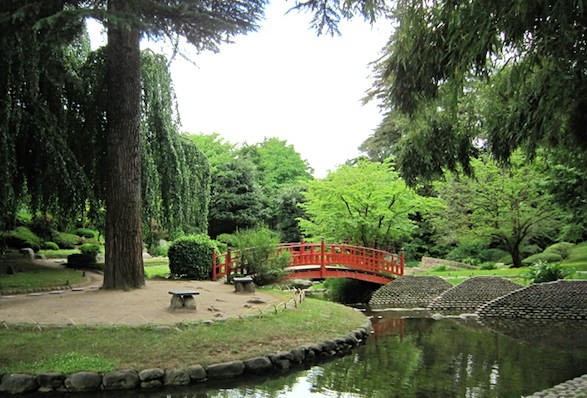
(542, 272)
(65, 240)
(493, 255)
(82, 260)
(86, 233)
(50, 246)
(467, 248)
(506, 259)
(543, 257)
(21, 237)
(487, 265)
(258, 255)
(530, 250)
(158, 251)
(563, 249)
(191, 257)
(90, 248)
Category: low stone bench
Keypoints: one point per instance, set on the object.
(244, 285)
(183, 300)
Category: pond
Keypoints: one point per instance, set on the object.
(422, 357)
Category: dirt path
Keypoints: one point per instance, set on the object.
(91, 305)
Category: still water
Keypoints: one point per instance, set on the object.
(423, 358)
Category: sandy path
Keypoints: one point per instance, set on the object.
(91, 305)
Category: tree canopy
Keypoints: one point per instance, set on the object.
(367, 204)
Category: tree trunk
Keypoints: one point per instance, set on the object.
(124, 246)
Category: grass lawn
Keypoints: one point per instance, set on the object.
(156, 267)
(578, 258)
(102, 349)
(40, 279)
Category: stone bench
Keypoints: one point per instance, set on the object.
(244, 285)
(183, 300)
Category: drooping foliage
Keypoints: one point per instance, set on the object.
(525, 60)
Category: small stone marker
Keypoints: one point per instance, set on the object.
(183, 300)
(244, 285)
(57, 292)
(77, 289)
(35, 294)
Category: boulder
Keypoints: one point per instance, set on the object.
(225, 370)
(17, 383)
(176, 377)
(196, 372)
(50, 380)
(151, 374)
(121, 380)
(83, 381)
(258, 365)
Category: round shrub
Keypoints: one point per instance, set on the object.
(20, 238)
(563, 249)
(543, 257)
(90, 248)
(487, 265)
(86, 233)
(50, 246)
(191, 257)
(65, 240)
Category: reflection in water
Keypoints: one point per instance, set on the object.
(421, 358)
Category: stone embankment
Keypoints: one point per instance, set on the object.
(409, 292)
(469, 295)
(563, 299)
(576, 388)
(155, 378)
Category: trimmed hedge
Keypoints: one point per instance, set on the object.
(86, 233)
(191, 257)
(543, 257)
(50, 246)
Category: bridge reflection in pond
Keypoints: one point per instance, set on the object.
(426, 358)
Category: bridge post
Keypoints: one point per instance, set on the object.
(323, 260)
(214, 258)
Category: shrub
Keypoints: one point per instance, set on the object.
(506, 259)
(530, 250)
(440, 268)
(563, 249)
(86, 233)
(82, 260)
(259, 256)
(492, 255)
(50, 246)
(65, 240)
(542, 272)
(471, 247)
(471, 260)
(543, 257)
(158, 251)
(191, 257)
(90, 248)
(487, 265)
(22, 237)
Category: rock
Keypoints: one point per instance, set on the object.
(176, 377)
(83, 381)
(196, 372)
(329, 346)
(17, 383)
(258, 365)
(225, 370)
(301, 283)
(151, 374)
(50, 380)
(121, 380)
(152, 384)
(299, 355)
(28, 253)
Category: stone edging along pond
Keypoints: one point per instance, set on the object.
(154, 378)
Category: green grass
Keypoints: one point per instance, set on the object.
(39, 279)
(61, 253)
(578, 258)
(157, 267)
(61, 350)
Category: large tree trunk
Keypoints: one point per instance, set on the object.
(124, 246)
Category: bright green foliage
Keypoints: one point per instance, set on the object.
(217, 150)
(563, 249)
(236, 199)
(86, 233)
(191, 257)
(90, 248)
(544, 257)
(50, 246)
(288, 211)
(505, 206)
(278, 164)
(259, 256)
(366, 204)
(541, 271)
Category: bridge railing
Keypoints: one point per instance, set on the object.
(322, 254)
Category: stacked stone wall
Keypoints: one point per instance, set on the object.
(471, 294)
(429, 262)
(563, 299)
(409, 292)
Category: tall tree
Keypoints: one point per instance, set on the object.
(367, 204)
(205, 24)
(508, 207)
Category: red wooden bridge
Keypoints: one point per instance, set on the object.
(322, 261)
